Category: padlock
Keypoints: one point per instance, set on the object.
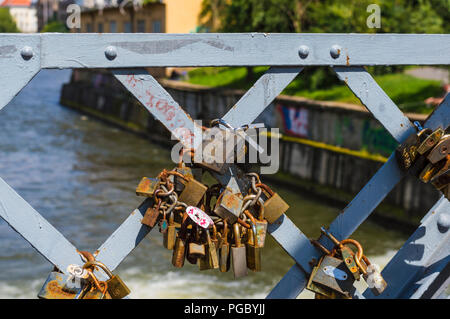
(253, 251)
(260, 223)
(440, 151)
(228, 206)
(147, 187)
(373, 277)
(274, 206)
(115, 286)
(163, 224)
(61, 286)
(193, 192)
(196, 248)
(215, 237)
(238, 254)
(210, 260)
(152, 213)
(217, 150)
(179, 251)
(349, 260)
(95, 289)
(430, 141)
(331, 278)
(169, 236)
(406, 153)
(224, 250)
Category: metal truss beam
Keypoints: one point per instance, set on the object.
(359, 208)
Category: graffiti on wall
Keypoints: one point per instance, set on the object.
(294, 119)
(377, 139)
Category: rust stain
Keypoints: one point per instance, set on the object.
(54, 291)
(348, 60)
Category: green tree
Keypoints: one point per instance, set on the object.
(7, 23)
(55, 26)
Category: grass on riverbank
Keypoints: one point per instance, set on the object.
(406, 91)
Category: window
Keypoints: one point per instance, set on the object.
(156, 26)
(141, 26)
(100, 28)
(112, 27)
(127, 27)
(89, 27)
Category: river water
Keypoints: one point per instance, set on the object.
(80, 174)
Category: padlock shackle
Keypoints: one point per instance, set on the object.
(266, 188)
(92, 264)
(237, 235)
(255, 234)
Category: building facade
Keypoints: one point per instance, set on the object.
(168, 16)
(50, 10)
(24, 14)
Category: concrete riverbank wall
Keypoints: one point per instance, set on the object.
(336, 145)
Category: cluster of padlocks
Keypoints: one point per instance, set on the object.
(426, 154)
(216, 228)
(210, 225)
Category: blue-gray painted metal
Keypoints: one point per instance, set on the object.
(260, 95)
(18, 66)
(240, 49)
(427, 246)
(376, 100)
(35, 229)
(159, 103)
(127, 237)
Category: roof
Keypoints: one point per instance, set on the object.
(16, 3)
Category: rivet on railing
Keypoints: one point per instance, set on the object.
(303, 51)
(335, 51)
(111, 52)
(26, 52)
(444, 222)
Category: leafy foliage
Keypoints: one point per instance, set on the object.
(55, 26)
(326, 16)
(7, 23)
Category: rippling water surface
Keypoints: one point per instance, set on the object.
(80, 174)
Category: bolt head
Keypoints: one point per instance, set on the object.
(111, 52)
(444, 221)
(335, 51)
(26, 52)
(303, 51)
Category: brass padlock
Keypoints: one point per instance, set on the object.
(169, 236)
(179, 251)
(210, 260)
(260, 223)
(229, 206)
(224, 250)
(115, 286)
(274, 206)
(147, 187)
(331, 278)
(196, 248)
(238, 254)
(193, 192)
(440, 151)
(152, 214)
(253, 251)
(407, 153)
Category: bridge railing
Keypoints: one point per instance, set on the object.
(418, 270)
